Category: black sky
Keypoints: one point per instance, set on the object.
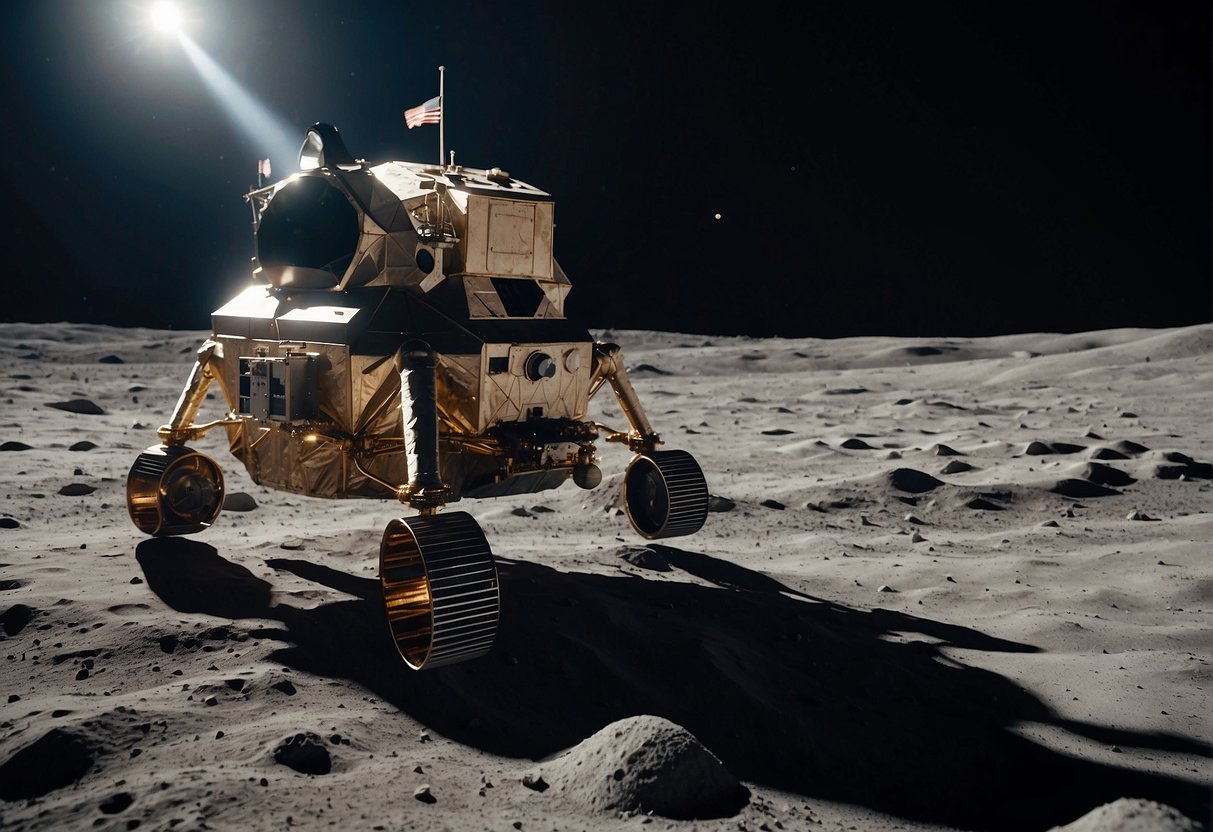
(913, 168)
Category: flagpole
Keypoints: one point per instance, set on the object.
(441, 133)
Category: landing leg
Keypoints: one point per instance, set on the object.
(665, 492)
(172, 489)
(436, 571)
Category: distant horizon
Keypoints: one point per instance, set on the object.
(599, 330)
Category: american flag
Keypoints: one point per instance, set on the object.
(263, 167)
(428, 113)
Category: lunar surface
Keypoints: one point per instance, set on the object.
(945, 584)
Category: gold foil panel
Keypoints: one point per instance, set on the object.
(459, 383)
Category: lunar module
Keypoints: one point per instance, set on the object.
(404, 337)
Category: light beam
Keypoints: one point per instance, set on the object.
(265, 130)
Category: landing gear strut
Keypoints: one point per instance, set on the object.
(437, 572)
(172, 489)
(665, 492)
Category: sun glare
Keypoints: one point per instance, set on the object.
(166, 18)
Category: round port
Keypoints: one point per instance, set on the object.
(539, 365)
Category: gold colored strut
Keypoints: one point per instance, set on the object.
(181, 427)
(608, 368)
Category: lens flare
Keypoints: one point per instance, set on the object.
(166, 18)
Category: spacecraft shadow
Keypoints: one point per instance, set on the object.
(817, 699)
(364, 588)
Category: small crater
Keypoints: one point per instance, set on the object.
(116, 803)
(306, 753)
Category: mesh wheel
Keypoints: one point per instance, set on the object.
(440, 589)
(173, 490)
(665, 494)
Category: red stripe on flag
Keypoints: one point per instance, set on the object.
(429, 112)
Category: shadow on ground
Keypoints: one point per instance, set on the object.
(789, 691)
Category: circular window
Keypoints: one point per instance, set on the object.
(425, 260)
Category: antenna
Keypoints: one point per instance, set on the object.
(441, 115)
